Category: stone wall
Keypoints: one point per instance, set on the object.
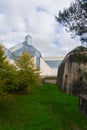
(70, 75)
(83, 104)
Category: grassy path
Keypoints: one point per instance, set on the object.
(44, 108)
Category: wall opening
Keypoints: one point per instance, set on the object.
(66, 76)
(80, 78)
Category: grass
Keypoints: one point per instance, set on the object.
(44, 108)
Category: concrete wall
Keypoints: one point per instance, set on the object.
(52, 58)
(44, 68)
(54, 71)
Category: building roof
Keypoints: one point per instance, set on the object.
(53, 62)
(17, 50)
(25, 48)
(7, 52)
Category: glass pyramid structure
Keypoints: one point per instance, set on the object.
(26, 46)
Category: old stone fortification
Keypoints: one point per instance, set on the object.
(83, 104)
(71, 73)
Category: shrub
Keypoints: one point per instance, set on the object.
(28, 75)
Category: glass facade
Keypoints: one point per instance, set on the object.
(38, 55)
(53, 64)
(7, 52)
(28, 39)
(26, 46)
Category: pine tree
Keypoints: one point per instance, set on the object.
(75, 19)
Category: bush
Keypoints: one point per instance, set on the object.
(28, 75)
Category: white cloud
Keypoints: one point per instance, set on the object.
(18, 18)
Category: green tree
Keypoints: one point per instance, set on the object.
(75, 19)
(9, 76)
(2, 70)
(28, 75)
(7, 73)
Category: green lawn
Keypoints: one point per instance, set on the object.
(44, 108)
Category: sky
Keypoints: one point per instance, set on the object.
(36, 18)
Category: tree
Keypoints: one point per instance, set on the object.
(2, 70)
(7, 73)
(75, 19)
(9, 76)
(28, 75)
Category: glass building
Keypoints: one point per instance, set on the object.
(47, 65)
(7, 52)
(26, 46)
(53, 63)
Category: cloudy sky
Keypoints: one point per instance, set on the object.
(37, 18)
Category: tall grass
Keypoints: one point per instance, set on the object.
(44, 108)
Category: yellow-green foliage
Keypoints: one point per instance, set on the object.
(5, 68)
(2, 70)
(7, 74)
(21, 76)
(28, 75)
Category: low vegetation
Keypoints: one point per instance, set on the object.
(43, 108)
(20, 76)
(80, 58)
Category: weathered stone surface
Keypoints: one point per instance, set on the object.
(83, 104)
(70, 73)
